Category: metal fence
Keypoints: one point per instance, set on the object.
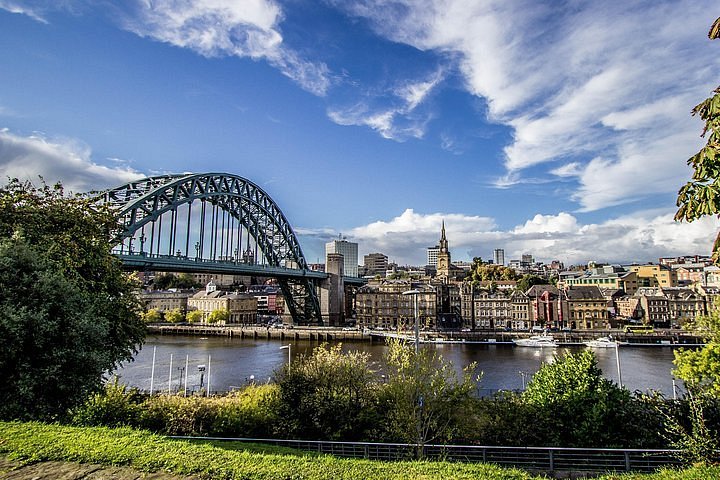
(544, 459)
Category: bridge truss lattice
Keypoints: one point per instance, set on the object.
(213, 218)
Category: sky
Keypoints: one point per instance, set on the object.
(555, 128)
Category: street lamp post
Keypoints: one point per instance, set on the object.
(415, 293)
(617, 360)
(289, 348)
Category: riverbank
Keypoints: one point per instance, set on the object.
(665, 338)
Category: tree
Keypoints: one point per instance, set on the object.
(528, 281)
(184, 280)
(423, 399)
(701, 195)
(578, 406)
(67, 310)
(174, 316)
(219, 316)
(700, 368)
(484, 272)
(194, 316)
(152, 316)
(327, 395)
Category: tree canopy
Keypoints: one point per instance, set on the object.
(701, 195)
(67, 310)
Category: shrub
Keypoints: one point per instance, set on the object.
(115, 406)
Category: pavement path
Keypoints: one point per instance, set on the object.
(13, 470)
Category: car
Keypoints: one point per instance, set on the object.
(566, 329)
(537, 328)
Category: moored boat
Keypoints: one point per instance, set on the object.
(536, 341)
(603, 342)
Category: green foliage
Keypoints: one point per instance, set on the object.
(115, 406)
(327, 395)
(249, 412)
(174, 316)
(218, 316)
(688, 428)
(528, 281)
(184, 280)
(579, 406)
(423, 400)
(483, 272)
(152, 316)
(700, 368)
(701, 195)
(67, 311)
(194, 316)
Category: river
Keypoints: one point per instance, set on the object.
(232, 363)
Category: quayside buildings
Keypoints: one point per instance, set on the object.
(666, 294)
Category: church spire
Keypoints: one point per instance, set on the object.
(443, 240)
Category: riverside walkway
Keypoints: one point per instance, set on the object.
(669, 338)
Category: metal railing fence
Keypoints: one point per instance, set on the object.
(545, 459)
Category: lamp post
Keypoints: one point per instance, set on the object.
(201, 369)
(523, 375)
(289, 348)
(142, 244)
(617, 360)
(197, 250)
(415, 293)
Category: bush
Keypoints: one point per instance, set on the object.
(115, 406)
(327, 395)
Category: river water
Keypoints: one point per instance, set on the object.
(232, 363)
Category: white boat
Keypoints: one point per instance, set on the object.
(536, 341)
(603, 342)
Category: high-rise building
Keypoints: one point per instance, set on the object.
(432, 253)
(499, 256)
(527, 259)
(349, 251)
(375, 264)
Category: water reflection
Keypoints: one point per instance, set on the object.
(232, 363)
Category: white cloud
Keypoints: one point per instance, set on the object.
(400, 120)
(560, 223)
(23, 9)
(587, 80)
(641, 236)
(57, 160)
(214, 28)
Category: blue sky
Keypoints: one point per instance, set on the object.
(559, 129)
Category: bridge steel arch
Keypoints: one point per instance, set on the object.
(143, 202)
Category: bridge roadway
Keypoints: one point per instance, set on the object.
(178, 263)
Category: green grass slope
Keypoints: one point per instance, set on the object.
(34, 442)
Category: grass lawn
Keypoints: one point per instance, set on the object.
(34, 442)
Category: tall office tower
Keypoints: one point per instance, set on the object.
(499, 256)
(375, 264)
(432, 253)
(349, 251)
(527, 258)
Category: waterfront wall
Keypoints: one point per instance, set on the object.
(325, 334)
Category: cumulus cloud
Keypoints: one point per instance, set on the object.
(394, 114)
(601, 86)
(216, 28)
(58, 160)
(641, 236)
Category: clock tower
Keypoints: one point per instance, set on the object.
(443, 256)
